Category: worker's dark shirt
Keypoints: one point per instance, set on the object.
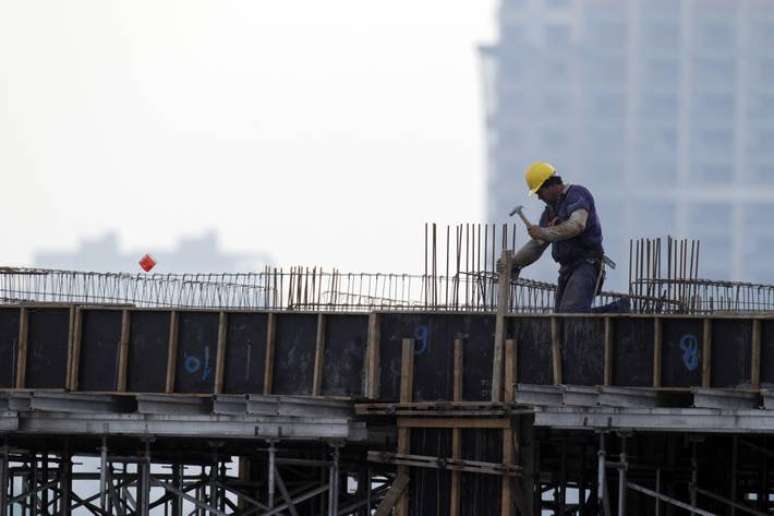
(586, 245)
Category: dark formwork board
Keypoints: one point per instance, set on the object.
(345, 346)
(481, 494)
(9, 342)
(681, 356)
(148, 347)
(533, 343)
(245, 353)
(100, 339)
(434, 336)
(731, 362)
(47, 344)
(430, 487)
(197, 350)
(294, 354)
(583, 350)
(767, 351)
(633, 351)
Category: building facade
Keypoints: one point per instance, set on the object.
(663, 108)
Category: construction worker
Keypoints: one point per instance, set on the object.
(570, 224)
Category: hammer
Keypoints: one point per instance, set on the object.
(520, 211)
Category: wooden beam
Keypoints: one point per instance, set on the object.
(658, 341)
(220, 357)
(123, 351)
(755, 373)
(506, 498)
(556, 350)
(372, 380)
(319, 356)
(172, 352)
(21, 350)
(425, 461)
(456, 476)
(268, 371)
(503, 304)
(609, 357)
(510, 369)
(453, 422)
(394, 493)
(706, 355)
(404, 433)
(74, 347)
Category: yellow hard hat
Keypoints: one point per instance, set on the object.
(537, 174)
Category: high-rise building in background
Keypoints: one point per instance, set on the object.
(197, 254)
(663, 108)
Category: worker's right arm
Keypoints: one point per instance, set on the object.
(529, 253)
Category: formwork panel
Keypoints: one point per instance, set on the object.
(429, 488)
(294, 354)
(434, 337)
(682, 352)
(100, 339)
(47, 348)
(633, 352)
(147, 357)
(730, 365)
(9, 340)
(583, 351)
(533, 341)
(345, 345)
(477, 358)
(767, 351)
(481, 493)
(245, 356)
(196, 352)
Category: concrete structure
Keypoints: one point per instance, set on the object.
(662, 107)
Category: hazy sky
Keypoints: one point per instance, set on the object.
(320, 132)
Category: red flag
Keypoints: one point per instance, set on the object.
(147, 262)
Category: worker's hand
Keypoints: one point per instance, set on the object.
(536, 232)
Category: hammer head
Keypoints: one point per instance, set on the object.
(518, 209)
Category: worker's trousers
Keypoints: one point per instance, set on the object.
(576, 287)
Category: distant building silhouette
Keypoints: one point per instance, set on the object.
(662, 107)
(193, 254)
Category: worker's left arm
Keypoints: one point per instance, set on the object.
(570, 228)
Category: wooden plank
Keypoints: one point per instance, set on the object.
(69, 363)
(407, 371)
(506, 499)
(456, 476)
(457, 422)
(755, 373)
(319, 356)
(220, 357)
(395, 492)
(556, 350)
(658, 341)
(404, 433)
(372, 387)
(123, 351)
(510, 369)
(425, 461)
(74, 347)
(268, 372)
(172, 352)
(21, 359)
(608, 374)
(503, 303)
(706, 355)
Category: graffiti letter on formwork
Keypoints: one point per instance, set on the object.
(421, 335)
(690, 346)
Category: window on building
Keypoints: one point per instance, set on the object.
(558, 36)
(710, 218)
(661, 72)
(558, 4)
(761, 105)
(662, 34)
(653, 218)
(714, 105)
(714, 142)
(715, 72)
(717, 172)
(717, 33)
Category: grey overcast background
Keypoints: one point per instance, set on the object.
(320, 133)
